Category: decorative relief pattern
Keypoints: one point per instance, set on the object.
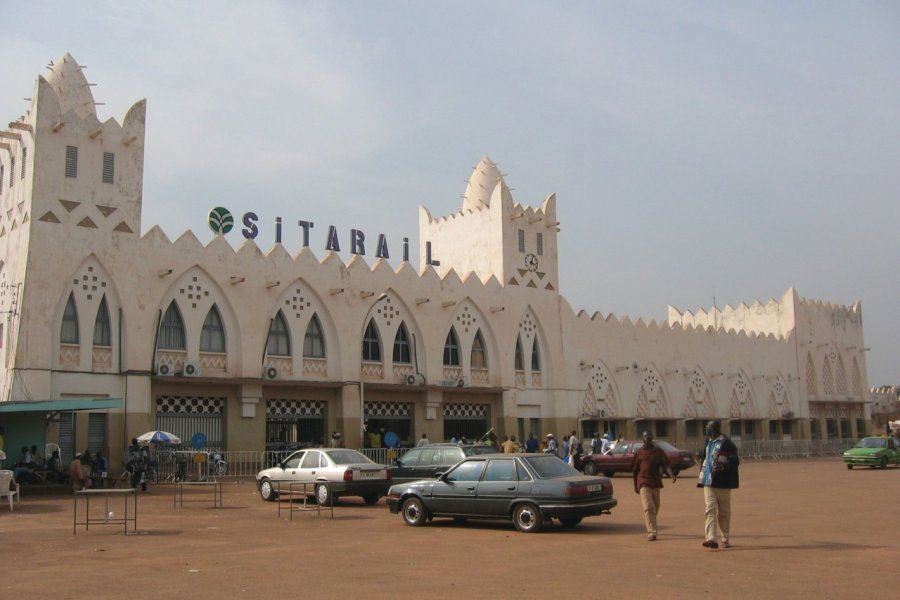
(841, 378)
(452, 373)
(479, 377)
(401, 372)
(520, 378)
(284, 366)
(373, 371)
(812, 389)
(315, 367)
(174, 358)
(213, 361)
(536, 380)
(69, 355)
(465, 411)
(193, 405)
(276, 407)
(101, 358)
(386, 409)
(466, 319)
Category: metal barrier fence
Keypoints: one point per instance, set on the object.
(247, 463)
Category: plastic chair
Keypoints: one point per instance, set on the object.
(6, 483)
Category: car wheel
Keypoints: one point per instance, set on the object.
(609, 473)
(528, 518)
(570, 521)
(323, 495)
(370, 499)
(266, 491)
(849, 467)
(414, 512)
(883, 463)
(590, 468)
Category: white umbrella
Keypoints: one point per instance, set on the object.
(158, 437)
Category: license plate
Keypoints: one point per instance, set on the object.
(595, 487)
(369, 474)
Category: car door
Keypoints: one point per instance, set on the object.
(498, 487)
(425, 467)
(288, 470)
(454, 493)
(404, 468)
(310, 466)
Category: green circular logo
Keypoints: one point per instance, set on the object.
(220, 220)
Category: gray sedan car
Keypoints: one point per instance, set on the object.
(529, 489)
(336, 471)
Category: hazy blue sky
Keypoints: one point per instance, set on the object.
(698, 150)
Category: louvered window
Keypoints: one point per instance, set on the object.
(71, 161)
(24, 160)
(1, 179)
(96, 432)
(540, 244)
(171, 331)
(12, 172)
(521, 240)
(109, 165)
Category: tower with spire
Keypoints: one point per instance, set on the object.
(492, 236)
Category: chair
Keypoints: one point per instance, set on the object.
(6, 483)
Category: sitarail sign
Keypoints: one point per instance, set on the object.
(221, 222)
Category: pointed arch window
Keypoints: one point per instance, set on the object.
(212, 338)
(314, 341)
(451, 349)
(402, 347)
(520, 359)
(171, 330)
(68, 333)
(279, 342)
(371, 344)
(479, 356)
(102, 325)
(535, 357)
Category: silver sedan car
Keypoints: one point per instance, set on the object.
(330, 471)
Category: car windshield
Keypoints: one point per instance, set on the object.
(548, 467)
(476, 450)
(665, 446)
(872, 443)
(348, 457)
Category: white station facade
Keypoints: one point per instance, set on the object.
(260, 349)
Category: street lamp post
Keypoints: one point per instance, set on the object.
(362, 385)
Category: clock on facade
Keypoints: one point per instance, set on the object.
(531, 262)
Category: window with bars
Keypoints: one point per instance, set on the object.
(109, 164)
(279, 342)
(540, 244)
(521, 240)
(314, 341)
(212, 337)
(171, 330)
(12, 172)
(24, 161)
(69, 332)
(520, 359)
(71, 161)
(371, 345)
(535, 357)
(102, 327)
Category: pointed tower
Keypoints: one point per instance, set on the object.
(493, 236)
(68, 181)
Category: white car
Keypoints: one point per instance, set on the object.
(341, 472)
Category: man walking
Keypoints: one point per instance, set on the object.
(650, 464)
(718, 476)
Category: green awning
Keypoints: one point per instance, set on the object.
(63, 405)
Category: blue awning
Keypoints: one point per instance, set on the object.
(62, 405)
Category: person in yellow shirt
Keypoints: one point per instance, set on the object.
(510, 446)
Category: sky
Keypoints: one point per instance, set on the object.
(700, 152)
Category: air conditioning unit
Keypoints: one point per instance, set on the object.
(415, 379)
(191, 369)
(271, 373)
(165, 370)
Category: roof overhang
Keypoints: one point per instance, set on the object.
(63, 405)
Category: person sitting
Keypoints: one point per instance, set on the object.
(54, 469)
(23, 468)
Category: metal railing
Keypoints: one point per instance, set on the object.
(247, 463)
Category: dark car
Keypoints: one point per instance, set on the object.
(528, 489)
(621, 459)
(429, 461)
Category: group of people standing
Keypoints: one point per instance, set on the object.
(718, 476)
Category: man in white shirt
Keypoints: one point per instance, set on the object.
(423, 441)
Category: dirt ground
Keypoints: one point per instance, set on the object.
(807, 528)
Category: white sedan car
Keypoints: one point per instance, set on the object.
(336, 471)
